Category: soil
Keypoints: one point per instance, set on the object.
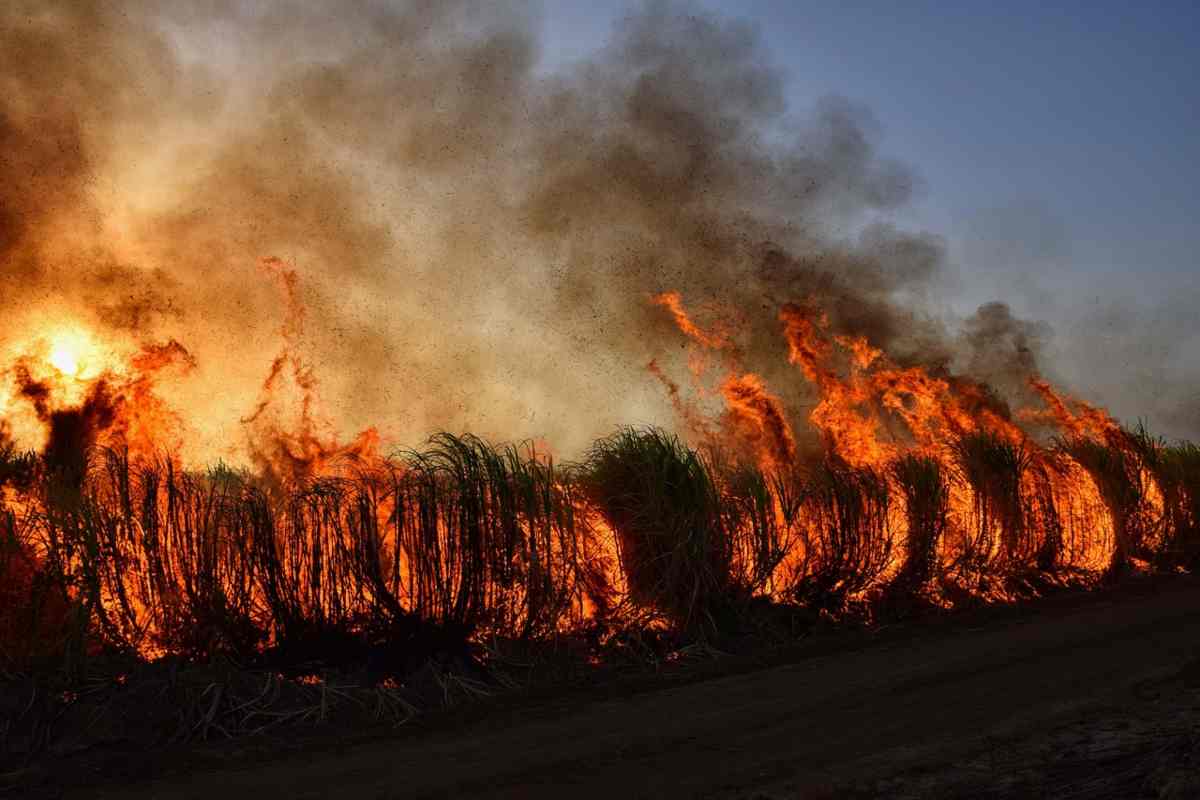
(1094, 696)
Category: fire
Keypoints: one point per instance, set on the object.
(64, 356)
(826, 430)
(917, 475)
(761, 414)
(820, 456)
(70, 354)
(1009, 496)
(105, 387)
(673, 302)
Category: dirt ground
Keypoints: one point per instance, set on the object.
(1092, 699)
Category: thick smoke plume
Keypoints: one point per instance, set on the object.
(476, 244)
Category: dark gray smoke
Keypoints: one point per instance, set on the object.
(476, 241)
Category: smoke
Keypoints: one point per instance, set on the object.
(1142, 359)
(1130, 351)
(1001, 350)
(475, 243)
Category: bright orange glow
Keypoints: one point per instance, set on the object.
(870, 410)
(673, 302)
(75, 354)
(65, 359)
(834, 401)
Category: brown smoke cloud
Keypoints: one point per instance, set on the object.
(476, 242)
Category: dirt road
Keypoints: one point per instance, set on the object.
(786, 731)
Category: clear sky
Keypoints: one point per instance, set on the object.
(1058, 143)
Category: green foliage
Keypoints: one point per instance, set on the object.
(17, 469)
(759, 513)
(484, 537)
(849, 533)
(1183, 463)
(994, 468)
(1175, 470)
(465, 540)
(1117, 472)
(665, 508)
(926, 499)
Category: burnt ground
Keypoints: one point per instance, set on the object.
(1084, 696)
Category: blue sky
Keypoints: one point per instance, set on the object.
(1058, 144)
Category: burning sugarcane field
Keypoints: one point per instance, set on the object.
(385, 376)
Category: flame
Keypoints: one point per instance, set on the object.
(290, 441)
(69, 354)
(64, 356)
(761, 416)
(71, 387)
(870, 410)
(1073, 416)
(673, 302)
(808, 392)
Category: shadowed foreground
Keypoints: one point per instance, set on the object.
(820, 726)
